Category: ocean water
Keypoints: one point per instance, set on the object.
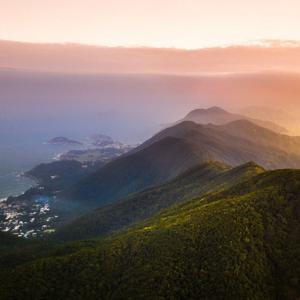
(18, 156)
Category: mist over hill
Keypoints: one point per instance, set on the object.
(217, 115)
(82, 104)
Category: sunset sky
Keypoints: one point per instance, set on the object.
(44, 81)
(156, 23)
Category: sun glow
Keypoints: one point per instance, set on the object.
(169, 23)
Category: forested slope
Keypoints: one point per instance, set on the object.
(241, 243)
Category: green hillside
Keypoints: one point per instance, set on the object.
(241, 243)
(200, 180)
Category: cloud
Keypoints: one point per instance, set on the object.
(76, 58)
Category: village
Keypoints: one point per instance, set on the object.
(27, 218)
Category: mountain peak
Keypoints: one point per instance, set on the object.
(213, 109)
(61, 140)
(216, 109)
(218, 116)
(251, 165)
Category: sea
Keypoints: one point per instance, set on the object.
(17, 157)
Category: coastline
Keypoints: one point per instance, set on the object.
(18, 185)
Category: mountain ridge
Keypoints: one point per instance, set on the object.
(219, 116)
(178, 148)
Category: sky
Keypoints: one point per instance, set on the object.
(80, 58)
(50, 82)
(157, 23)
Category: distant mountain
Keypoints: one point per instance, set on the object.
(105, 142)
(236, 143)
(177, 149)
(196, 182)
(262, 136)
(219, 116)
(269, 113)
(240, 243)
(101, 140)
(282, 117)
(95, 155)
(61, 140)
